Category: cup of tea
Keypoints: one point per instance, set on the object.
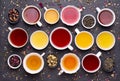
(106, 17)
(70, 63)
(17, 37)
(61, 38)
(33, 63)
(31, 15)
(51, 15)
(105, 40)
(70, 15)
(91, 62)
(39, 40)
(88, 21)
(83, 40)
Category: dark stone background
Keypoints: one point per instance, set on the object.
(48, 74)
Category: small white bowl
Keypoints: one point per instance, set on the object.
(92, 25)
(8, 61)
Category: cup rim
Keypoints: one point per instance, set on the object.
(111, 45)
(96, 68)
(56, 47)
(89, 46)
(27, 8)
(113, 13)
(36, 47)
(55, 11)
(32, 71)
(74, 71)
(15, 46)
(9, 61)
(72, 24)
(92, 17)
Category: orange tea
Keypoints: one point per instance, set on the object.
(34, 62)
(70, 62)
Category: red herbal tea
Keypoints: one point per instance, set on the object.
(91, 62)
(61, 38)
(18, 37)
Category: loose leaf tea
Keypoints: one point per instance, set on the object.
(52, 60)
(88, 21)
(108, 64)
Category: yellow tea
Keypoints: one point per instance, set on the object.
(84, 40)
(105, 40)
(70, 62)
(39, 39)
(33, 62)
(51, 16)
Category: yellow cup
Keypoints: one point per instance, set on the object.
(105, 40)
(39, 40)
(84, 40)
(51, 15)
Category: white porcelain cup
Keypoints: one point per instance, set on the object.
(81, 32)
(78, 11)
(97, 56)
(105, 9)
(104, 40)
(64, 70)
(33, 23)
(69, 43)
(10, 41)
(46, 11)
(39, 39)
(87, 21)
(25, 61)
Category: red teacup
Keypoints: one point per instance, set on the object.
(17, 37)
(91, 62)
(61, 38)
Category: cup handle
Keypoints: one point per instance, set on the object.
(81, 9)
(39, 23)
(61, 72)
(98, 9)
(70, 47)
(10, 28)
(98, 54)
(45, 8)
(77, 31)
(43, 54)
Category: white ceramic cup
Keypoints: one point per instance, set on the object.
(101, 10)
(61, 48)
(39, 39)
(79, 15)
(63, 70)
(33, 71)
(98, 57)
(93, 24)
(79, 32)
(105, 49)
(38, 21)
(11, 30)
(46, 10)
(8, 61)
